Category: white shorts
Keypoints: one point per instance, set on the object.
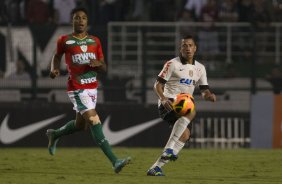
(83, 99)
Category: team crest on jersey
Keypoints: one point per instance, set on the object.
(191, 73)
(83, 48)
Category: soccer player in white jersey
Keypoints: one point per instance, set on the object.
(179, 75)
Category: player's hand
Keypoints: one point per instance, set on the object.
(207, 95)
(167, 104)
(54, 73)
(211, 97)
(95, 63)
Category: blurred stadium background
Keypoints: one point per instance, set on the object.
(239, 41)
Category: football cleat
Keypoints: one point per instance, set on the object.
(52, 141)
(156, 171)
(169, 155)
(120, 163)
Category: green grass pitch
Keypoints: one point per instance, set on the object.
(89, 165)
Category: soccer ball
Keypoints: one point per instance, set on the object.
(183, 104)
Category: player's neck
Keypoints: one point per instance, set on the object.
(80, 35)
(187, 60)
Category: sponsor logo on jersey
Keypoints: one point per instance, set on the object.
(70, 42)
(81, 42)
(88, 80)
(83, 58)
(83, 48)
(186, 81)
(89, 40)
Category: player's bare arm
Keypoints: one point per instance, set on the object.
(159, 90)
(100, 65)
(208, 95)
(55, 66)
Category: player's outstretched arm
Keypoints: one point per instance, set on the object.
(209, 96)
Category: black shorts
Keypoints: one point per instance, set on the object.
(170, 116)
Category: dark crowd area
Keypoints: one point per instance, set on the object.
(23, 12)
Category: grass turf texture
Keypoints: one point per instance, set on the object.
(85, 165)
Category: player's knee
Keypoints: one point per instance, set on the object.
(191, 115)
(94, 120)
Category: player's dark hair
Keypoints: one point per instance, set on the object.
(77, 9)
(190, 37)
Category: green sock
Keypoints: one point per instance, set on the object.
(98, 136)
(67, 129)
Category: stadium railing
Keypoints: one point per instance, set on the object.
(227, 49)
(221, 130)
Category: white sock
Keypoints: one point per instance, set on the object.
(178, 147)
(178, 129)
(160, 162)
(173, 142)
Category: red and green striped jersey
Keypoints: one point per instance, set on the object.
(78, 53)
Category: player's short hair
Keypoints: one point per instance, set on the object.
(77, 9)
(190, 37)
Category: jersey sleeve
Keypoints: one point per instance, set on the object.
(203, 79)
(166, 71)
(100, 54)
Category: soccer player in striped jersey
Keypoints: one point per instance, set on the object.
(179, 75)
(84, 59)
